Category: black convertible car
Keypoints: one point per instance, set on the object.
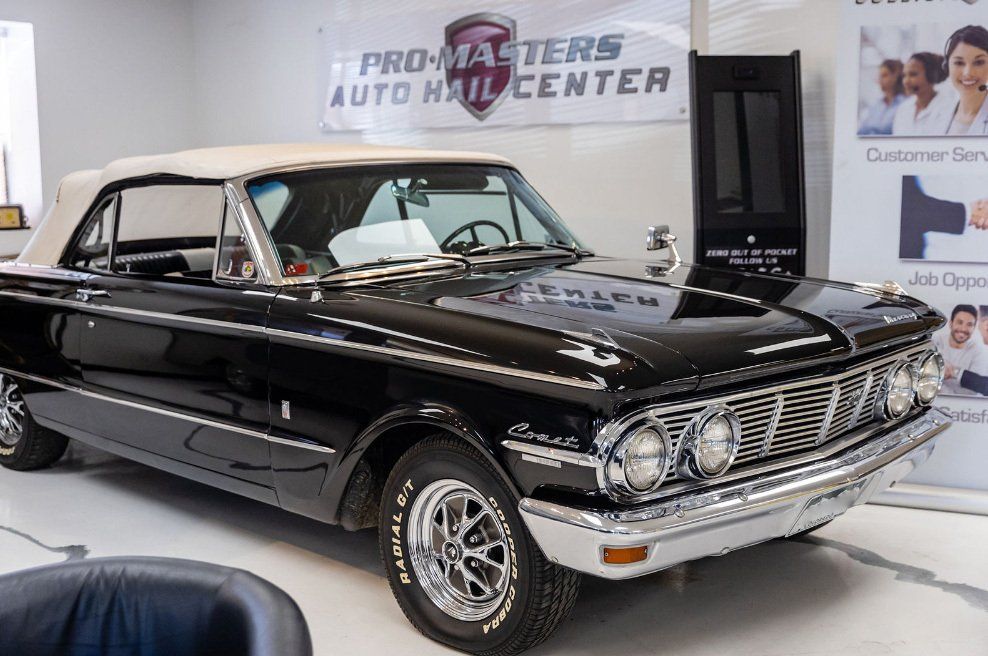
(414, 341)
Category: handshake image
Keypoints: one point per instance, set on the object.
(979, 214)
(944, 219)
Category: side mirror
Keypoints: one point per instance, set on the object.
(657, 238)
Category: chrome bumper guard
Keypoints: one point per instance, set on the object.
(716, 521)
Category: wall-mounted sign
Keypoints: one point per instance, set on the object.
(579, 61)
(910, 196)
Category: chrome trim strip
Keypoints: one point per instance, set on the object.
(569, 457)
(96, 308)
(180, 318)
(773, 425)
(828, 418)
(45, 300)
(396, 269)
(284, 334)
(300, 444)
(539, 460)
(15, 263)
(435, 359)
(856, 415)
(47, 271)
(259, 241)
(140, 406)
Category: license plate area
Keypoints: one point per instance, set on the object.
(824, 507)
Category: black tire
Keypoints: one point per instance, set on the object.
(33, 447)
(537, 594)
(796, 536)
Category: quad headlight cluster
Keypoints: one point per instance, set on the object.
(908, 385)
(643, 455)
(641, 459)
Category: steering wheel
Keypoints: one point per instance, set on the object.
(472, 227)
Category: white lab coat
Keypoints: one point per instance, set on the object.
(931, 120)
(980, 125)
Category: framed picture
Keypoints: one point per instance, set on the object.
(11, 217)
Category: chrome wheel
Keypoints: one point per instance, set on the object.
(459, 550)
(11, 411)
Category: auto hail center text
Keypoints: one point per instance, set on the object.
(605, 79)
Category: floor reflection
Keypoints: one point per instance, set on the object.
(878, 580)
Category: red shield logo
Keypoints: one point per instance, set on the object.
(476, 75)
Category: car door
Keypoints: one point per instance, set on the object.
(176, 355)
(40, 333)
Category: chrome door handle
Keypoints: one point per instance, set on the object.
(84, 294)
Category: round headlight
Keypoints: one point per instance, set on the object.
(898, 389)
(930, 378)
(641, 460)
(710, 443)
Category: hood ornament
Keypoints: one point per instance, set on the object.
(659, 237)
(889, 288)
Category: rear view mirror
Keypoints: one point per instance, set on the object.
(412, 193)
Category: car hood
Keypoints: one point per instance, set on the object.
(726, 325)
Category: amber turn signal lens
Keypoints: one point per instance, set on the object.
(625, 555)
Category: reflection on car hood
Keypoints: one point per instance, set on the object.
(726, 324)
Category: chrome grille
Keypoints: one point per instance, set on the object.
(796, 418)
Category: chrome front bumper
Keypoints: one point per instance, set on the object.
(720, 520)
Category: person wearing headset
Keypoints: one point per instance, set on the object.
(878, 119)
(927, 109)
(967, 67)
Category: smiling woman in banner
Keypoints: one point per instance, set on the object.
(967, 68)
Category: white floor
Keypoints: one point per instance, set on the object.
(879, 580)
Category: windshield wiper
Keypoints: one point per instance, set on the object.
(391, 260)
(526, 246)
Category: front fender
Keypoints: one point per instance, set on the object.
(408, 415)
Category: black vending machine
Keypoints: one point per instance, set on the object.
(748, 190)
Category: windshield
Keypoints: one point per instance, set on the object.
(327, 218)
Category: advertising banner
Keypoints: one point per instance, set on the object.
(910, 191)
(435, 65)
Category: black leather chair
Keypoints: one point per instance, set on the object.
(147, 607)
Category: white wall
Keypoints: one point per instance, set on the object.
(115, 78)
(118, 78)
(20, 128)
(758, 27)
(608, 181)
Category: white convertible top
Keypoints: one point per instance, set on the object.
(78, 190)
